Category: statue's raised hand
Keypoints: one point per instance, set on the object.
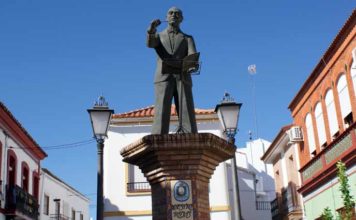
(154, 24)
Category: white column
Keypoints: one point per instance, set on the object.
(284, 170)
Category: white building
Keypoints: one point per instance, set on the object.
(256, 183)
(61, 201)
(127, 193)
(23, 185)
(20, 159)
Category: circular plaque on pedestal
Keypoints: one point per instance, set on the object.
(181, 191)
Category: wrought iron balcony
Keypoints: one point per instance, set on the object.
(290, 199)
(286, 203)
(342, 148)
(20, 202)
(263, 205)
(135, 187)
(275, 211)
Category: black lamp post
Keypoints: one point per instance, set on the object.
(100, 116)
(228, 112)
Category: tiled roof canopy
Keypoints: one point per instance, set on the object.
(149, 112)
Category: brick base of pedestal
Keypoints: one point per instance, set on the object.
(178, 168)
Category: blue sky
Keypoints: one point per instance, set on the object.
(57, 57)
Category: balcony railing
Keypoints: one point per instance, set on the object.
(285, 203)
(138, 187)
(329, 155)
(290, 199)
(275, 208)
(18, 200)
(263, 205)
(58, 217)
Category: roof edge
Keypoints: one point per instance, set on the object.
(326, 57)
(280, 134)
(45, 170)
(37, 150)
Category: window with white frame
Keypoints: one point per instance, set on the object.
(310, 134)
(353, 69)
(46, 205)
(320, 125)
(331, 112)
(344, 98)
(137, 182)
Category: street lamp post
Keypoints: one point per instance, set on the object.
(100, 116)
(228, 112)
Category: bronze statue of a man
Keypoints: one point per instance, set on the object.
(171, 80)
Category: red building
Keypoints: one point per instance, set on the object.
(325, 109)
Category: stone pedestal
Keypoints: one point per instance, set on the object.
(178, 168)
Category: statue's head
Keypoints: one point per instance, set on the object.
(174, 16)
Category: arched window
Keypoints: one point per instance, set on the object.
(12, 168)
(353, 69)
(344, 98)
(330, 109)
(320, 125)
(310, 134)
(25, 176)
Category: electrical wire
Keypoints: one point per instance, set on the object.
(61, 146)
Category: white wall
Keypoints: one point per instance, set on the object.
(57, 190)
(256, 181)
(22, 155)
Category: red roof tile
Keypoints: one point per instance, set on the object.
(149, 112)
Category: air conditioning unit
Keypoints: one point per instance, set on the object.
(295, 134)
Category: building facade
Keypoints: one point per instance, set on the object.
(24, 185)
(283, 154)
(20, 162)
(60, 201)
(127, 192)
(325, 109)
(256, 184)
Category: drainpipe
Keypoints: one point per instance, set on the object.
(4, 165)
(41, 194)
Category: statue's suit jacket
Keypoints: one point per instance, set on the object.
(183, 45)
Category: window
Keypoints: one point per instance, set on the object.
(36, 183)
(12, 168)
(320, 124)
(344, 96)
(73, 214)
(310, 134)
(58, 206)
(353, 69)
(46, 205)
(81, 217)
(348, 120)
(331, 112)
(136, 180)
(25, 176)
